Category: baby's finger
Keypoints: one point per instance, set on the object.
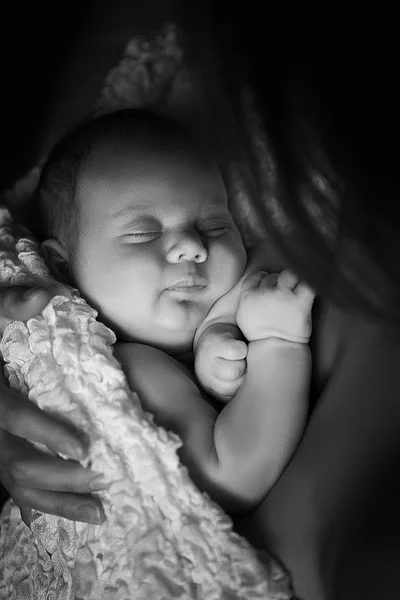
(24, 419)
(76, 507)
(253, 281)
(233, 349)
(287, 280)
(269, 281)
(304, 291)
(229, 370)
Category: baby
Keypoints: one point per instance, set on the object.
(138, 220)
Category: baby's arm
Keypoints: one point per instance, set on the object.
(238, 454)
(257, 433)
(268, 414)
(219, 348)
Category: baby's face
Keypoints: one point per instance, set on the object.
(157, 244)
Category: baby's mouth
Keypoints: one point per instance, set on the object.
(188, 285)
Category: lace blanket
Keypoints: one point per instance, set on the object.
(162, 537)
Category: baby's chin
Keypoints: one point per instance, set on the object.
(174, 333)
(171, 328)
(181, 317)
(175, 328)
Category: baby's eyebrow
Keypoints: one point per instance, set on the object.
(130, 210)
(215, 210)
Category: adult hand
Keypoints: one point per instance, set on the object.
(21, 302)
(34, 480)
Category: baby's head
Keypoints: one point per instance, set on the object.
(138, 216)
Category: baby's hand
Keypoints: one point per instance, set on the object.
(220, 361)
(276, 305)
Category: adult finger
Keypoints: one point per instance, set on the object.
(23, 465)
(26, 515)
(23, 419)
(20, 303)
(75, 507)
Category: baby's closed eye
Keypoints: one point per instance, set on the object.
(214, 228)
(140, 237)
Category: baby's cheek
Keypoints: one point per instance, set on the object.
(230, 261)
(101, 280)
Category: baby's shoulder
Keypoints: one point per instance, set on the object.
(165, 386)
(140, 362)
(141, 356)
(137, 350)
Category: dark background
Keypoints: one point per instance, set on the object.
(53, 60)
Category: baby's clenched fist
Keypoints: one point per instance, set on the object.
(276, 305)
(220, 361)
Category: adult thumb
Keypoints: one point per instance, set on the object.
(21, 302)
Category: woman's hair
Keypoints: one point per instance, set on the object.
(324, 77)
(56, 196)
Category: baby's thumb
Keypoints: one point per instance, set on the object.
(233, 349)
(252, 281)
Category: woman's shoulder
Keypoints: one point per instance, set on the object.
(337, 332)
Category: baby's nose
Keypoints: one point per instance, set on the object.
(188, 248)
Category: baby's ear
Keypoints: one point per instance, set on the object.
(57, 260)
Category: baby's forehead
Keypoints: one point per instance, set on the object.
(136, 173)
(119, 159)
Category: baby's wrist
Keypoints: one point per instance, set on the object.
(219, 328)
(270, 344)
(278, 335)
